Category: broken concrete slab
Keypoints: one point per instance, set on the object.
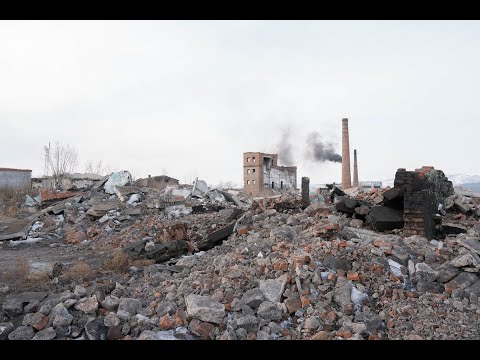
(346, 205)
(383, 218)
(200, 187)
(215, 237)
(123, 192)
(471, 244)
(121, 178)
(15, 228)
(453, 228)
(101, 209)
(50, 195)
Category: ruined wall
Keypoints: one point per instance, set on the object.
(14, 179)
(156, 182)
(66, 182)
(423, 190)
(280, 177)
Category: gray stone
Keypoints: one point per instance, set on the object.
(148, 335)
(248, 322)
(446, 272)
(464, 278)
(166, 307)
(383, 218)
(469, 259)
(32, 306)
(460, 206)
(452, 228)
(110, 303)
(111, 320)
(35, 320)
(372, 321)
(342, 292)
(80, 291)
(335, 263)
(22, 333)
(253, 298)
(473, 290)
(96, 330)
(269, 311)
(123, 315)
(472, 244)
(284, 233)
(88, 306)
(362, 210)
(5, 329)
(69, 303)
(45, 309)
(59, 309)
(46, 334)
(130, 305)
(62, 320)
(204, 308)
(13, 307)
(272, 289)
(312, 323)
(400, 255)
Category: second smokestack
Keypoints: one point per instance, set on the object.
(346, 175)
(355, 169)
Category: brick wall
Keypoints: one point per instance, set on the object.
(423, 190)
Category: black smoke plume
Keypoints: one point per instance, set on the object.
(320, 151)
(284, 149)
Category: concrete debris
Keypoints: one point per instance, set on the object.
(160, 260)
(121, 178)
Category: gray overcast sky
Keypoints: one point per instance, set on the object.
(192, 96)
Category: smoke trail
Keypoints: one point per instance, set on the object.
(320, 151)
(284, 149)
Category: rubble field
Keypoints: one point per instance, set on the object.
(118, 261)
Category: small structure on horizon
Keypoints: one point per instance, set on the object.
(15, 179)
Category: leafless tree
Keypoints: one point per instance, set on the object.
(61, 159)
(97, 168)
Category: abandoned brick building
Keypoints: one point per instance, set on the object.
(261, 170)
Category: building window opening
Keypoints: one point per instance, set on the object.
(248, 182)
(248, 159)
(253, 170)
(248, 171)
(281, 184)
(273, 185)
(253, 182)
(253, 159)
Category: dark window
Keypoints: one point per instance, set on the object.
(273, 185)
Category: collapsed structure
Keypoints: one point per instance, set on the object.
(15, 179)
(261, 171)
(203, 263)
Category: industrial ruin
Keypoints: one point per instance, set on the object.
(91, 257)
(261, 171)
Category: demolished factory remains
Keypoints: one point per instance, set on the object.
(262, 262)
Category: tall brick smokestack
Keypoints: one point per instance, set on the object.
(355, 169)
(346, 175)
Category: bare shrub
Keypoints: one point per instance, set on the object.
(79, 271)
(11, 201)
(17, 276)
(119, 262)
(142, 262)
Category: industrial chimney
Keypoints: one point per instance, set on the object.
(355, 169)
(346, 176)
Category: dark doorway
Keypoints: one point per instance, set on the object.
(273, 185)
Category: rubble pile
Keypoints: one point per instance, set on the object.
(229, 267)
